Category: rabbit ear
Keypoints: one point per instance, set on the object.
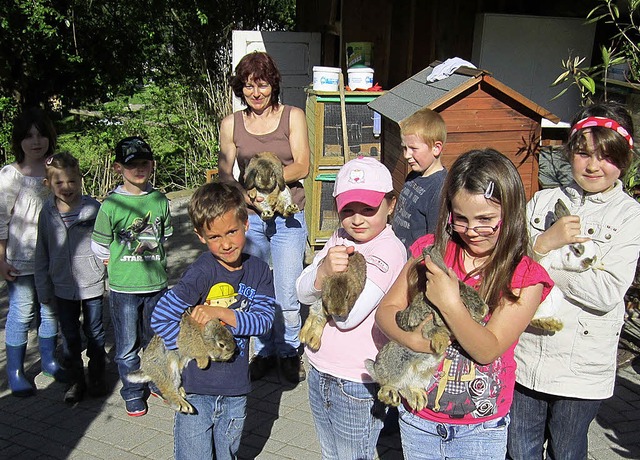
(560, 209)
(250, 179)
(281, 184)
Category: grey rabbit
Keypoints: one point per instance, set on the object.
(403, 372)
(164, 367)
(339, 294)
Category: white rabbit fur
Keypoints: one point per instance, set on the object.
(575, 257)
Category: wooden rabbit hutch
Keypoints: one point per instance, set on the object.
(324, 121)
(479, 112)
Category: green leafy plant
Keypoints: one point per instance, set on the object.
(622, 48)
(631, 178)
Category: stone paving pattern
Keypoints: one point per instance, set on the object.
(279, 424)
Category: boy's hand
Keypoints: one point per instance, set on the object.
(565, 230)
(105, 262)
(205, 313)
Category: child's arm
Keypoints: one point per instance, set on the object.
(306, 282)
(366, 303)
(254, 319)
(9, 187)
(508, 320)
(257, 318)
(167, 227)
(44, 286)
(602, 289)
(309, 285)
(102, 236)
(165, 319)
(205, 313)
(395, 300)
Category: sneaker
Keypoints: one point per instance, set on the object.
(260, 365)
(156, 393)
(293, 369)
(136, 407)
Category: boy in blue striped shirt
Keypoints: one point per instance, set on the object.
(243, 286)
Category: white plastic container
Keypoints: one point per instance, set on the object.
(360, 78)
(325, 78)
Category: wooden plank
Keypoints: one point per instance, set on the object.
(489, 136)
(484, 125)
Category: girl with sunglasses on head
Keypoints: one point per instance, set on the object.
(482, 235)
(563, 377)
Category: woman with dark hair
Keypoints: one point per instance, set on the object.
(266, 125)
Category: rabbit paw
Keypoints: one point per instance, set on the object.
(416, 398)
(389, 396)
(311, 332)
(291, 210)
(411, 317)
(184, 406)
(266, 215)
(440, 340)
(547, 324)
(202, 361)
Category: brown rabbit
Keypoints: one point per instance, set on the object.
(264, 177)
(164, 367)
(339, 294)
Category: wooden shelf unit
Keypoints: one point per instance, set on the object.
(327, 156)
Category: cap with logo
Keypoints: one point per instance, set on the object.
(132, 148)
(364, 180)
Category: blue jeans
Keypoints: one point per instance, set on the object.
(131, 317)
(281, 243)
(69, 315)
(423, 439)
(347, 415)
(217, 423)
(537, 416)
(23, 306)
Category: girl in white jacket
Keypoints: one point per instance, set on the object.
(562, 377)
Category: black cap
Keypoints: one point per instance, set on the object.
(132, 148)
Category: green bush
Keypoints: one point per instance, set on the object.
(173, 120)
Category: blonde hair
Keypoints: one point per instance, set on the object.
(61, 160)
(427, 125)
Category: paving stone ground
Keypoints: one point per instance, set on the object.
(278, 424)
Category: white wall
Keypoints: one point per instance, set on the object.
(525, 53)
